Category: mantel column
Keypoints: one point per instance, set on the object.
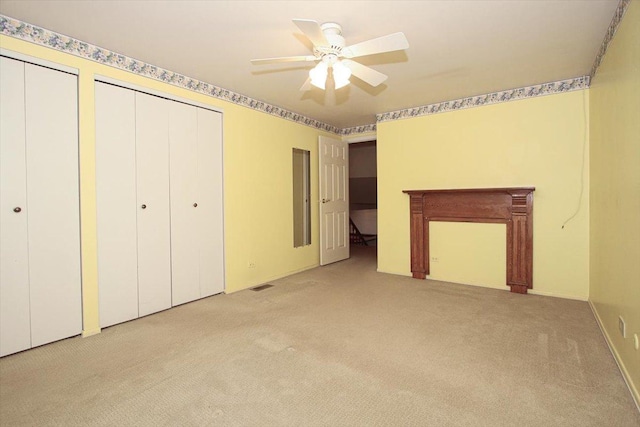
(419, 235)
(520, 243)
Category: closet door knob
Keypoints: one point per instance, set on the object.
(195, 205)
(144, 206)
(17, 209)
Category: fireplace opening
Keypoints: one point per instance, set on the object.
(468, 253)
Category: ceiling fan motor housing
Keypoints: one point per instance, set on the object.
(333, 33)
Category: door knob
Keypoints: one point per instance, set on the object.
(195, 205)
(144, 206)
(17, 209)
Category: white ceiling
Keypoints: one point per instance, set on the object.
(457, 48)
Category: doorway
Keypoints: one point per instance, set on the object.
(363, 194)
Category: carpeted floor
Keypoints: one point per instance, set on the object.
(337, 345)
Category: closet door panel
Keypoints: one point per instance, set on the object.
(116, 204)
(154, 238)
(53, 204)
(183, 125)
(15, 323)
(209, 222)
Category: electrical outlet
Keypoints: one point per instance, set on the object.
(434, 259)
(251, 265)
(621, 327)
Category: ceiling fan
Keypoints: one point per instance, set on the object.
(330, 50)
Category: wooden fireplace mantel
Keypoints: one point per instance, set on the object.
(511, 206)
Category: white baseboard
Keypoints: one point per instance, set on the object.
(269, 279)
(623, 370)
(556, 295)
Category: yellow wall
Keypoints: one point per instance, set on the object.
(615, 193)
(481, 250)
(257, 173)
(537, 142)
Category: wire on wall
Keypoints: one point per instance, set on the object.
(584, 154)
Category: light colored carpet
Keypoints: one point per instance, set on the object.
(337, 345)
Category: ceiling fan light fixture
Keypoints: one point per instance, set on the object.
(341, 75)
(318, 75)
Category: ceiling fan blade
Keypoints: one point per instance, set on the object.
(312, 30)
(388, 43)
(369, 75)
(305, 58)
(306, 86)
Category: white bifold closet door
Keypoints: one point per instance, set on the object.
(154, 236)
(40, 280)
(116, 204)
(197, 244)
(210, 219)
(132, 176)
(160, 205)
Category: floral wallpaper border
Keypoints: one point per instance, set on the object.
(358, 129)
(31, 33)
(22, 30)
(488, 99)
(611, 31)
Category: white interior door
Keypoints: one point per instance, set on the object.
(53, 204)
(154, 235)
(183, 137)
(116, 204)
(15, 323)
(334, 200)
(210, 212)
